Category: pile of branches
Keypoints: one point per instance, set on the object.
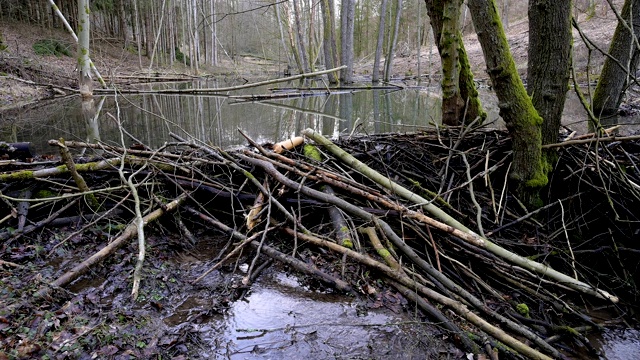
(431, 213)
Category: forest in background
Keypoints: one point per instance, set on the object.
(208, 32)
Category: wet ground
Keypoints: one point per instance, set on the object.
(281, 315)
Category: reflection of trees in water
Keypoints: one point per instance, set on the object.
(215, 119)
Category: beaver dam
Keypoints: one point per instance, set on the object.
(428, 218)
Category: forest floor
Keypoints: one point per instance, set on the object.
(27, 77)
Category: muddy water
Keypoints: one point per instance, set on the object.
(280, 319)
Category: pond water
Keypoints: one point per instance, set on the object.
(215, 120)
(281, 319)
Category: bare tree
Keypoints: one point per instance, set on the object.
(619, 69)
(329, 42)
(347, 15)
(301, 48)
(375, 76)
(388, 63)
(549, 61)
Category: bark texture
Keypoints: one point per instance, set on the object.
(616, 73)
(84, 61)
(549, 62)
(448, 43)
(522, 120)
(466, 86)
(375, 75)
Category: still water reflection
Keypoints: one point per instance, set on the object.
(215, 119)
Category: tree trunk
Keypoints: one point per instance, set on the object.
(549, 62)
(84, 62)
(388, 63)
(347, 15)
(616, 73)
(452, 103)
(466, 87)
(302, 50)
(375, 75)
(329, 42)
(522, 120)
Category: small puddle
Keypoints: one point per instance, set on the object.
(282, 319)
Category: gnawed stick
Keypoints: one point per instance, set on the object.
(94, 259)
(288, 144)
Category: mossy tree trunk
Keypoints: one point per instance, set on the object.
(452, 103)
(549, 61)
(467, 95)
(521, 118)
(616, 73)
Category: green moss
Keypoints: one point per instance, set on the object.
(523, 310)
(539, 180)
(384, 253)
(347, 243)
(312, 152)
(16, 176)
(249, 175)
(44, 193)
